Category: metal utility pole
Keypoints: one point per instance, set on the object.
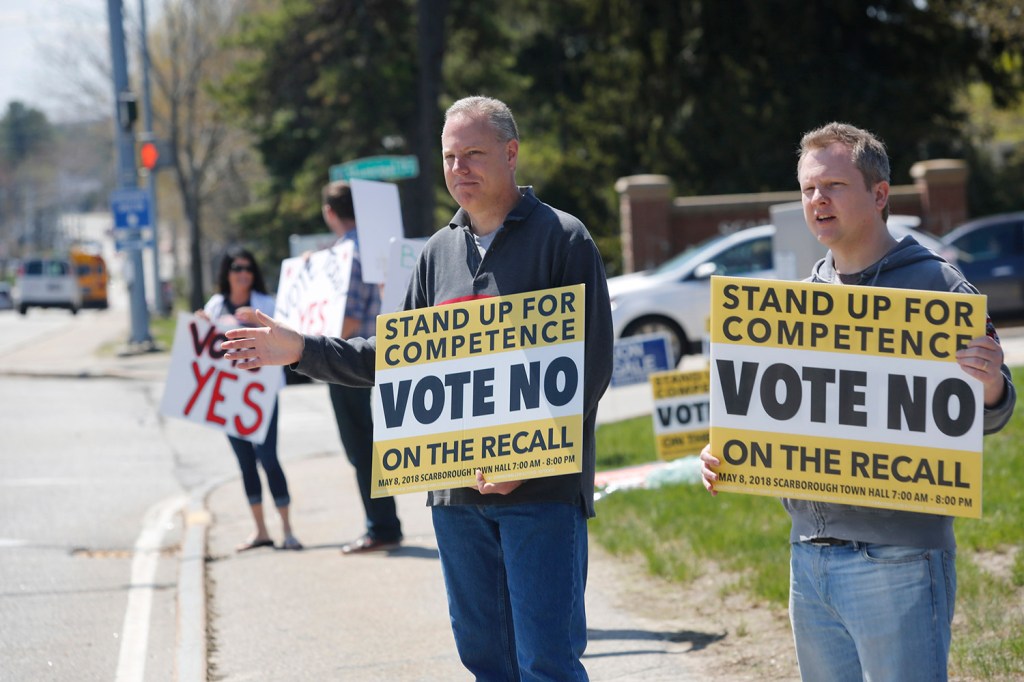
(127, 176)
(159, 303)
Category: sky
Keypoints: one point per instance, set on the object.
(34, 35)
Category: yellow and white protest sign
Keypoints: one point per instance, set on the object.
(682, 412)
(204, 388)
(311, 291)
(846, 394)
(494, 384)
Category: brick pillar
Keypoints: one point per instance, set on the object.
(645, 209)
(943, 187)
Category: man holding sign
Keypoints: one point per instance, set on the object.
(872, 589)
(513, 552)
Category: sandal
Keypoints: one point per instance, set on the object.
(291, 542)
(254, 543)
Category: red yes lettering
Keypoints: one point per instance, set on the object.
(241, 428)
(218, 397)
(201, 380)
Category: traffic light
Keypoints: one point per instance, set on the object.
(153, 154)
(149, 155)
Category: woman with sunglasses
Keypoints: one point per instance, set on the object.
(241, 286)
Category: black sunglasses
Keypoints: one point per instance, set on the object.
(236, 267)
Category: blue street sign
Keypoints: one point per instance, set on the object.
(130, 208)
(636, 357)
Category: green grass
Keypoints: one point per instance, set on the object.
(161, 330)
(682, 532)
(625, 443)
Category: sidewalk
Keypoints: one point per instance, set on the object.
(274, 615)
(318, 615)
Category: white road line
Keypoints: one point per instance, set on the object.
(131, 663)
(47, 482)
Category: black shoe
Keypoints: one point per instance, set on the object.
(369, 544)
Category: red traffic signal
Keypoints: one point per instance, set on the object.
(149, 155)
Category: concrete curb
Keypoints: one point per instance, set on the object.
(191, 655)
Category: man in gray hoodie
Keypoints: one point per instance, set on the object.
(513, 553)
(872, 590)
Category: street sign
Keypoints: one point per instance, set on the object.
(130, 208)
(129, 239)
(377, 168)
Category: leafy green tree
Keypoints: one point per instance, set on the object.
(993, 107)
(23, 131)
(27, 172)
(714, 95)
(325, 83)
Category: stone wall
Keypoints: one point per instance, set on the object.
(655, 225)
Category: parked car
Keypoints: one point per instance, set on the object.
(675, 297)
(903, 225)
(6, 301)
(990, 253)
(47, 283)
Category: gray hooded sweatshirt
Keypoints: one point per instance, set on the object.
(907, 266)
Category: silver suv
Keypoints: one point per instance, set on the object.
(47, 283)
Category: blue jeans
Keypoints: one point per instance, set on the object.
(248, 453)
(515, 577)
(354, 417)
(871, 612)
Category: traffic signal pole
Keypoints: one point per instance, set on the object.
(162, 306)
(127, 176)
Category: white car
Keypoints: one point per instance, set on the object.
(675, 297)
(47, 283)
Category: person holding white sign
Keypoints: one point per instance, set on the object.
(872, 589)
(351, 404)
(242, 289)
(513, 553)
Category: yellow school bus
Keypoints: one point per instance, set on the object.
(91, 271)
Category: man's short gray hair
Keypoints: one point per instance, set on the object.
(497, 113)
(868, 152)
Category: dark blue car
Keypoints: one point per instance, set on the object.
(990, 253)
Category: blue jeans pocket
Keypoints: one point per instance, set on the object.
(893, 554)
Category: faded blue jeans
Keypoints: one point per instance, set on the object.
(878, 613)
(515, 577)
(248, 454)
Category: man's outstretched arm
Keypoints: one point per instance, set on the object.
(338, 361)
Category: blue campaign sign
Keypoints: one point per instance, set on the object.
(637, 357)
(130, 208)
